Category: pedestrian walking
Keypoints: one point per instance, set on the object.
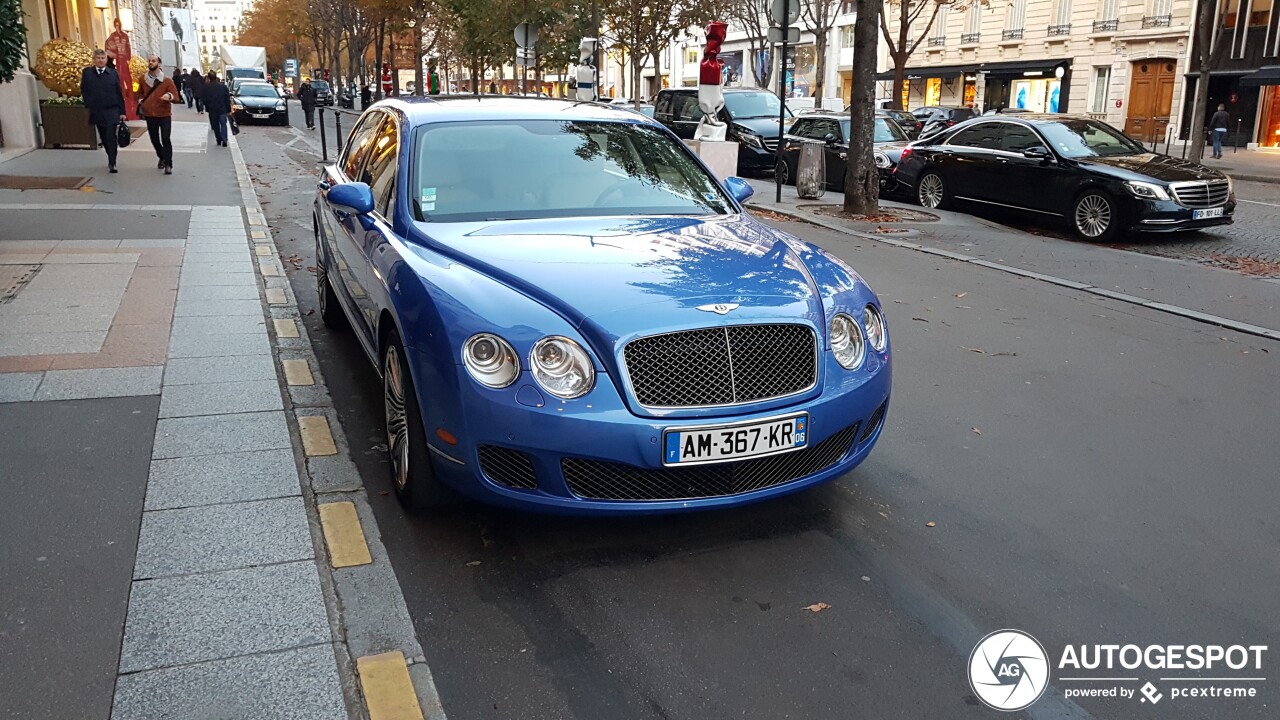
(155, 98)
(307, 97)
(196, 81)
(100, 90)
(366, 97)
(217, 100)
(1218, 126)
(179, 80)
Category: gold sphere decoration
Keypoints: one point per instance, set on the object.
(137, 68)
(59, 63)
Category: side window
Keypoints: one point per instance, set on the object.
(802, 128)
(828, 127)
(985, 136)
(359, 144)
(380, 170)
(688, 108)
(1017, 138)
(663, 105)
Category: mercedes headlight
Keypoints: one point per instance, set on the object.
(1150, 191)
(882, 160)
(846, 341)
(562, 367)
(751, 139)
(490, 360)
(876, 337)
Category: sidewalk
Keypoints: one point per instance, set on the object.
(166, 553)
(1239, 163)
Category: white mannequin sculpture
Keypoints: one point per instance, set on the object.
(586, 72)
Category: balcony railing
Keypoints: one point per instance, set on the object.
(1011, 34)
(1056, 30)
(1106, 25)
(970, 38)
(937, 41)
(1157, 21)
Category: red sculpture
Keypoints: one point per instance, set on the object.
(710, 93)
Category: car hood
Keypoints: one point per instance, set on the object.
(1152, 166)
(619, 277)
(257, 102)
(767, 127)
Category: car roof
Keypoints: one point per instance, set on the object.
(832, 114)
(428, 110)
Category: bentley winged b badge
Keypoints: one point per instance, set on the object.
(719, 308)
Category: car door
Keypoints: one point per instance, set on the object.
(687, 114)
(381, 172)
(1035, 184)
(346, 233)
(970, 164)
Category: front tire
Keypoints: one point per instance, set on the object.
(783, 173)
(412, 475)
(932, 192)
(330, 311)
(1095, 217)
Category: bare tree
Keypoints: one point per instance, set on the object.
(820, 15)
(1208, 52)
(644, 27)
(755, 17)
(861, 178)
(901, 47)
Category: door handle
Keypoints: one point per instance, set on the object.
(323, 184)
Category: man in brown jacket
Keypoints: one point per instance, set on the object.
(155, 99)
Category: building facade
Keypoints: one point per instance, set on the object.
(1244, 73)
(217, 24)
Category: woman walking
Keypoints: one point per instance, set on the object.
(217, 102)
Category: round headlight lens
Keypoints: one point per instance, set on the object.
(490, 360)
(875, 327)
(846, 341)
(562, 367)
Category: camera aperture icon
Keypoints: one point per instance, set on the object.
(1008, 670)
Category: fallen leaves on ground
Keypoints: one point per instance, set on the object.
(920, 319)
(473, 563)
(771, 215)
(931, 524)
(817, 607)
(960, 295)
(976, 431)
(977, 350)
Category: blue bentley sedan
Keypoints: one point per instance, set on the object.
(571, 314)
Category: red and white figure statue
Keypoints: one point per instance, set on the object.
(586, 72)
(710, 90)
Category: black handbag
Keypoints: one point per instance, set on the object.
(123, 138)
(235, 126)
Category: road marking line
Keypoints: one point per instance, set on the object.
(286, 328)
(276, 296)
(1258, 202)
(297, 372)
(316, 438)
(343, 535)
(262, 250)
(388, 691)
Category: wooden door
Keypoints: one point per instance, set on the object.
(1150, 99)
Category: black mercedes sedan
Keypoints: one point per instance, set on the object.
(1067, 169)
(259, 101)
(832, 130)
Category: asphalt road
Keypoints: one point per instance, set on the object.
(1098, 473)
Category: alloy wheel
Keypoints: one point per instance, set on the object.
(1093, 216)
(397, 418)
(930, 191)
(782, 173)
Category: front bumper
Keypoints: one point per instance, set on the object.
(566, 445)
(754, 158)
(256, 114)
(1169, 216)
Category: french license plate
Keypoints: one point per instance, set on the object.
(1207, 213)
(262, 115)
(692, 446)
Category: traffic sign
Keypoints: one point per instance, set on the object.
(526, 35)
(788, 9)
(291, 67)
(793, 35)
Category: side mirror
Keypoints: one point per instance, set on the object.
(353, 197)
(740, 189)
(1038, 152)
(830, 139)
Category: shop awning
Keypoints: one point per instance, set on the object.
(1266, 75)
(1021, 67)
(941, 71)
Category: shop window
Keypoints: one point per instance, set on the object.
(1229, 10)
(933, 91)
(1101, 89)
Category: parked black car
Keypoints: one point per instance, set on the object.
(935, 118)
(1072, 169)
(324, 93)
(752, 116)
(832, 129)
(255, 100)
(909, 123)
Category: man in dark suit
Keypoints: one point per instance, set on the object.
(100, 88)
(196, 82)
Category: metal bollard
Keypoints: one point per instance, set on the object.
(1235, 147)
(337, 132)
(324, 144)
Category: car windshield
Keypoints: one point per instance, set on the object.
(743, 105)
(319, 85)
(1087, 138)
(257, 90)
(245, 73)
(519, 169)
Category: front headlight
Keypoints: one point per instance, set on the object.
(490, 360)
(236, 106)
(562, 367)
(882, 160)
(876, 337)
(280, 105)
(1150, 191)
(751, 139)
(846, 341)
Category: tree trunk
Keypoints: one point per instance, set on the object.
(861, 178)
(417, 58)
(1204, 43)
(820, 46)
(899, 80)
(377, 59)
(391, 61)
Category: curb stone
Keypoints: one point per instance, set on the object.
(366, 608)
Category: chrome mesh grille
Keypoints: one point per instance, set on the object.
(596, 480)
(722, 366)
(1206, 194)
(508, 467)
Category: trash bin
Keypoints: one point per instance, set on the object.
(811, 173)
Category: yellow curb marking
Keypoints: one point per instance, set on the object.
(286, 328)
(316, 438)
(257, 234)
(275, 296)
(269, 268)
(388, 691)
(263, 250)
(343, 535)
(297, 372)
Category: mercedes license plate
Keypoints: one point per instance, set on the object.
(262, 115)
(691, 446)
(1209, 213)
